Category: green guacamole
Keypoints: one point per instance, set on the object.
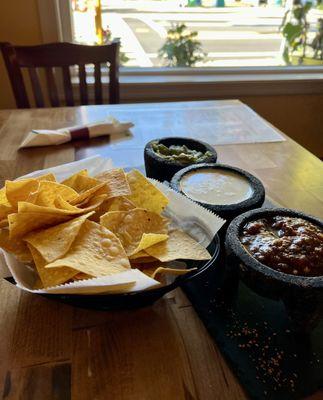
(180, 154)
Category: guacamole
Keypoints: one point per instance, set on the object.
(180, 154)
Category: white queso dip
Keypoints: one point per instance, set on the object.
(215, 186)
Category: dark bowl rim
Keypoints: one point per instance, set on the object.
(258, 188)
(234, 245)
(148, 150)
(178, 281)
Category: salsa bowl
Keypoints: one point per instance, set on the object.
(302, 295)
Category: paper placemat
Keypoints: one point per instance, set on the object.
(217, 123)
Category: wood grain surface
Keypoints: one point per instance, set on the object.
(54, 351)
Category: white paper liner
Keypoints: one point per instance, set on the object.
(4, 270)
(135, 279)
(197, 221)
(94, 165)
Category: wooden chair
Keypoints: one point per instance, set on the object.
(62, 56)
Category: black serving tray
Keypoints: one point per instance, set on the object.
(255, 335)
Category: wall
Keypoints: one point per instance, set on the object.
(299, 116)
(19, 24)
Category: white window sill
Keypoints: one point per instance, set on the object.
(283, 70)
(127, 77)
(154, 84)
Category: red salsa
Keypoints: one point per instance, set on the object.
(286, 244)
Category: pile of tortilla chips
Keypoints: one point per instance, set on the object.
(87, 227)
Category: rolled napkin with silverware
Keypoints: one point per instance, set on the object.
(46, 137)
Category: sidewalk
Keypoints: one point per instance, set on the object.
(163, 6)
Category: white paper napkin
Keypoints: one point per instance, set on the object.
(45, 137)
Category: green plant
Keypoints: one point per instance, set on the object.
(317, 43)
(181, 48)
(295, 30)
(107, 38)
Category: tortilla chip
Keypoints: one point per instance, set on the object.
(116, 182)
(15, 246)
(48, 191)
(4, 223)
(62, 207)
(38, 284)
(52, 243)
(142, 260)
(3, 197)
(149, 239)
(19, 190)
(152, 272)
(178, 246)
(5, 210)
(81, 277)
(50, 277)
(96, 251)
(87, 194)
(47, 177)
(121, 204)
(139, 254)
(113, 204)
(25, 207)
(81, 182)
(144, 194)
(73, 182)
(5, 207)
(62, 204)
(130, 226)
(22, 223)
(91, 205)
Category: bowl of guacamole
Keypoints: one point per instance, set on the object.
(166, 156)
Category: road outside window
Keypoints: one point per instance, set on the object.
(204, 33)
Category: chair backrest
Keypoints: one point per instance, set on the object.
(55, 56)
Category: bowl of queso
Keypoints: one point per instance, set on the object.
(166, 156)
(225, 190)
(278, 253)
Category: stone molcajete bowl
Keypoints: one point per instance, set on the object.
(226, 211)
(162, 169)
(302, 296)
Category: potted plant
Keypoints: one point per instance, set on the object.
(295, 28)
(317, 43)
(107, 38)
(181, 49)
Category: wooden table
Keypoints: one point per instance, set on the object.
(52, 351)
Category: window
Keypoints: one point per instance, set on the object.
(205, 33)
(246, 71)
